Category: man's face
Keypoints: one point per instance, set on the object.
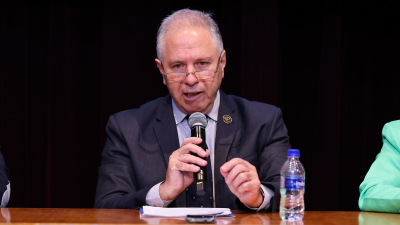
(192, 49)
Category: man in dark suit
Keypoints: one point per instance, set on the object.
(147, 160)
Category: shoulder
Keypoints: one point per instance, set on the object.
(144, 113)
(391, 133)
(393, 126)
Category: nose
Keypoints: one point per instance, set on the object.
(191, 79)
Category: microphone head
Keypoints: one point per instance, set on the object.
(197, 119)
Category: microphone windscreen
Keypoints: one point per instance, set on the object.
(197, 119)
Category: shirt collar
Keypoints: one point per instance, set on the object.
(213, 113)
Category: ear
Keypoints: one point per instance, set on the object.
(160, 68)
(223, 62)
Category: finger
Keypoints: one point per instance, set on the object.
(180, 166)
(243, 187)
(191, 140)
(207, 153)
(246, 182)
(204, 153)
(191, 159)
(232, 163)
(224, 174)
(194, 149)
(241, 178)
(234, 172)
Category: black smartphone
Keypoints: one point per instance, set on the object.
(200, 218)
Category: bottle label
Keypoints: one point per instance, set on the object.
(294, 183)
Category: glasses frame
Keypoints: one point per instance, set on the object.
(194, 73)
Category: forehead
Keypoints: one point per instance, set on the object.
(189, 42)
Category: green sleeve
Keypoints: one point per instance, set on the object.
(380, 190)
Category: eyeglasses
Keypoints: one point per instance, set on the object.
(200, 75)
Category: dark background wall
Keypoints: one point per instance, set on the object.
(333, 67)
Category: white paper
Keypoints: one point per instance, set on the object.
(150, 211)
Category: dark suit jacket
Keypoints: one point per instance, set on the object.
(140, 141)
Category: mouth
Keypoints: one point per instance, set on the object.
(191, 96)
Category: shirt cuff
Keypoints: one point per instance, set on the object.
(267, 194)
(153, 197)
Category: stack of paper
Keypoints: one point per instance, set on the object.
(150, 211)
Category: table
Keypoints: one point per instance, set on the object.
(131, 216)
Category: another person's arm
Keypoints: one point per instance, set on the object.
(380, 190)
(5, 187)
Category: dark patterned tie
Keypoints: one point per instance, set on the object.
(206, 200)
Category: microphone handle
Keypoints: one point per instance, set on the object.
(200, 132)
(200, 178)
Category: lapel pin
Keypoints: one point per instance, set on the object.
(227, 119)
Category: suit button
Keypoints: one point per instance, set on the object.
(194, 197)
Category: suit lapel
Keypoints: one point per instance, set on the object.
(167, 136)
(223, 141)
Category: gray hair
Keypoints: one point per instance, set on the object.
(185, 18)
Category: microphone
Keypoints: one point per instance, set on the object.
(197, 123)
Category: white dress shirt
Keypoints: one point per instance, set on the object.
(153, 196)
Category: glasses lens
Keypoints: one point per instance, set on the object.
(176, 76)
(205, 74)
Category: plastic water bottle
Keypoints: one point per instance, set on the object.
(292, 187)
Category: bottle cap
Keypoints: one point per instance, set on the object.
(293, 152)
